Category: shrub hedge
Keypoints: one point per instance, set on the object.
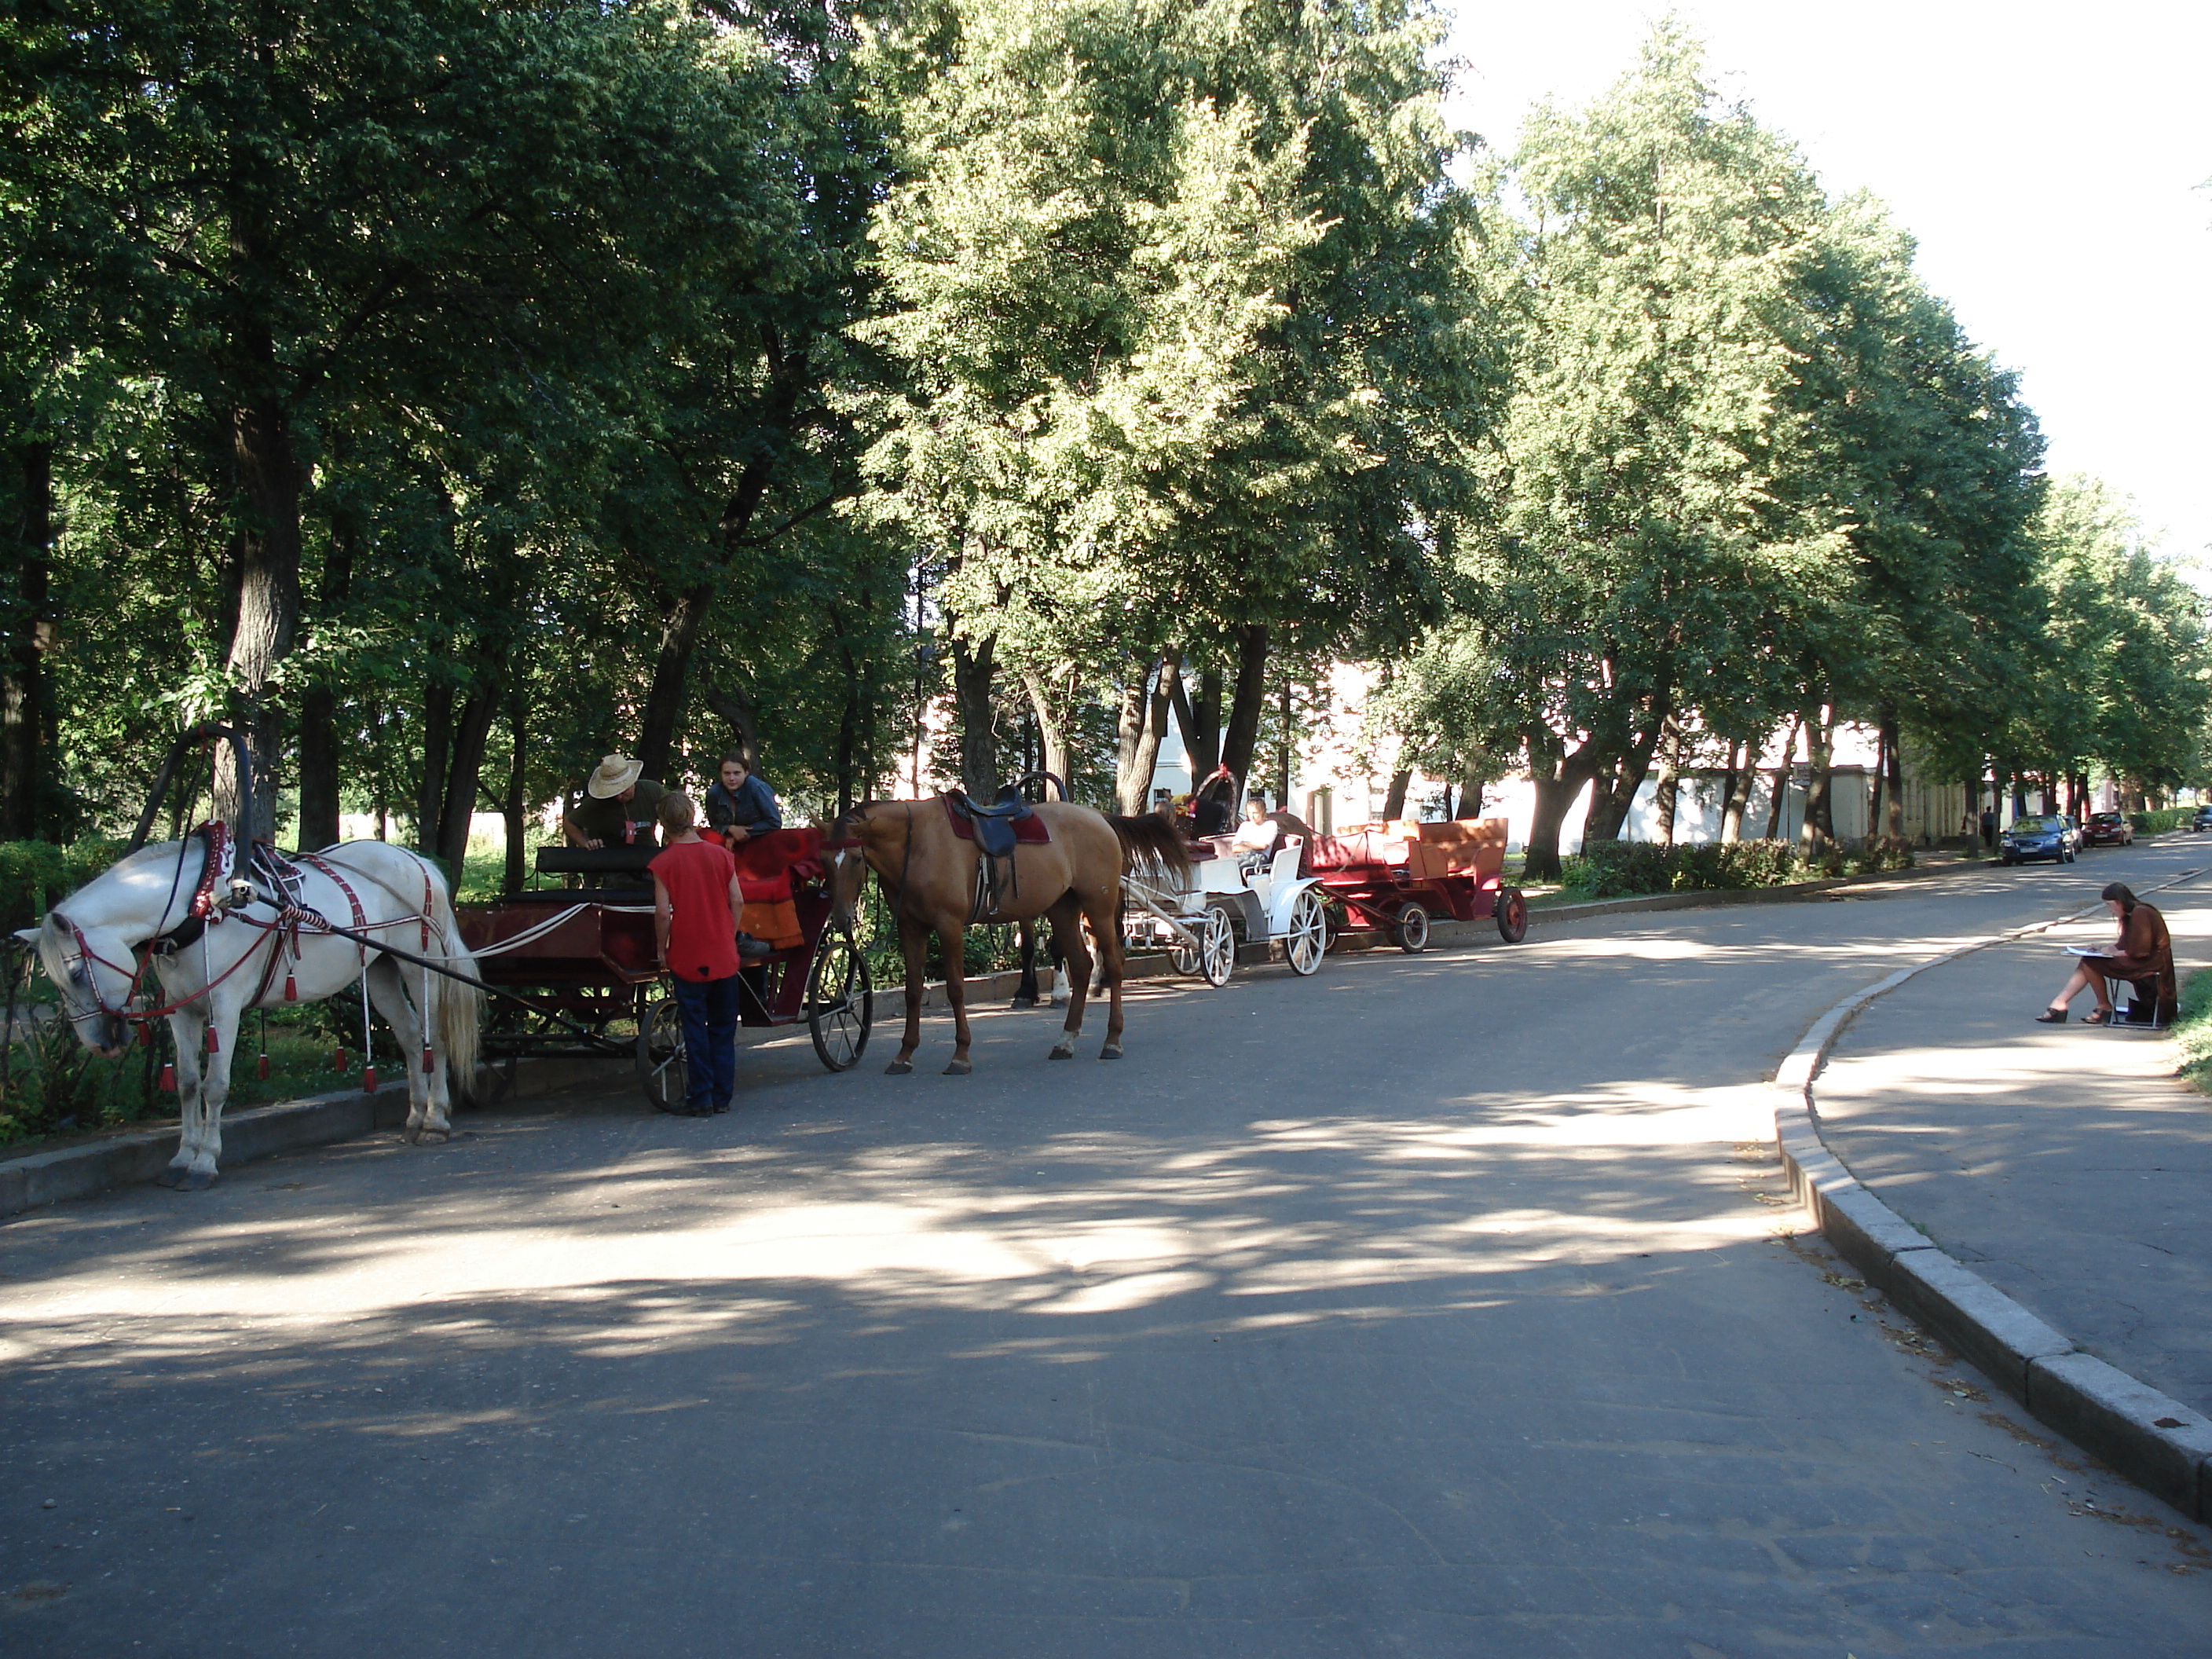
(1615, 869)
(2152, 824)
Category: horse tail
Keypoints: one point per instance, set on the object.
(1150, 844)
(460, 1007)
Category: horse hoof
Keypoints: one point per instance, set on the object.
(1063, 1051)
(1111, 1051)
(198, 1181)
(172, 1177)
(898, 1068)
(432, 1136)
(959, 1068)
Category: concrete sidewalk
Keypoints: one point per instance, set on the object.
(2067, 1165)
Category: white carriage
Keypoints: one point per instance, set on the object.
(1229, 897)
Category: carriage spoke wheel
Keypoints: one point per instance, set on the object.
(841, 1002)
(1184, 958)
(1307, 935)
(1412, 929)
(1512, 916)
(1217, 954)
(660, 1056)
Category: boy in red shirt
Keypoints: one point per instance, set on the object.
(695, 904)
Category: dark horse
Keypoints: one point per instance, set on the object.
(928, 875)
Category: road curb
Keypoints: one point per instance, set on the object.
(2151, 1438)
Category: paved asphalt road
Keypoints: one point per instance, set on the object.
(1434, 1306)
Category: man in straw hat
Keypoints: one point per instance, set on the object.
(618, 806)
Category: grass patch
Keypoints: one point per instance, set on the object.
(2192, 1028)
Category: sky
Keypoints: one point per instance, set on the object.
(2048, 159)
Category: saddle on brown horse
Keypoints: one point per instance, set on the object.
(996, 830)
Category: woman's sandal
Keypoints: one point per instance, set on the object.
(2051, 1016)
(2102, 1016)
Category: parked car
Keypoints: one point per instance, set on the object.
(2051, 836)
(2108, 829)
(2203, 819)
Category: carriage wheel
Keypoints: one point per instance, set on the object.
(1308, 936)
(841, 1000)
(1185, 958)
(1413, 930)
(1512, 916)
(660, 1056)
(1217, 947)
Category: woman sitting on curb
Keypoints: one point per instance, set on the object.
(2142, 957)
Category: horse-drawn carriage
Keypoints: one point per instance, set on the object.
(574, 970)
(1257, 897)
(1395, 878)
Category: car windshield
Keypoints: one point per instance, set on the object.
(2034, 826)
(2106, 817)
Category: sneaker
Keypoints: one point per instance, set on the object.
(750, 948)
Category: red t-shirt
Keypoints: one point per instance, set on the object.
(702, 934)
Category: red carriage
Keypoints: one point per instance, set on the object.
(1395, 878)
(574, 972)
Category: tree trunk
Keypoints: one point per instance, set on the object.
(1146, 707)
(517, 804)
(972, 671)
(1554, 796)
(1393, 804)
(1818, 832)
(1200, 721)
(1892, 779)
(1242, 736)
(1471, 782)
(265, 452)
(437, 745)
(1781, 781)
(471, 734)
(1052, 753)
(1736, 796)
(319, 783)
(1283, 746)
(733, 707)
(1668, 792)
(26, 630)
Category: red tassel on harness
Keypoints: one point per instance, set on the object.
(145, 1036)
(337, 1061)
(168, 1077)
(214, 1047)
(369, 1079)
(429, 1060)
(261, 1070)
(291, 990)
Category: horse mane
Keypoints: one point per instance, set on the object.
(1150, 844)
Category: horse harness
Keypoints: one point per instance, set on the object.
(270, 879)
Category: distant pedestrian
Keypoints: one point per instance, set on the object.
(1988, 826)
(695, 903)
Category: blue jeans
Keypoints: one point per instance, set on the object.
(709, 1008)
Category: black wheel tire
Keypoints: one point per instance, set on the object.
(1512, 914)
(1411, 929)
(660, 1069)
(840, 1001)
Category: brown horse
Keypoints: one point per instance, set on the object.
(928, 877)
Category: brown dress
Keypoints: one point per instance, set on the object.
(2145, 958)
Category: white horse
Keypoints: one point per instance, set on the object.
(262, 954)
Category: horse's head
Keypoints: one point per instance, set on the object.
(82, 965)
(845, 865)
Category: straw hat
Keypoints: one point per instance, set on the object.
(616, 774)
